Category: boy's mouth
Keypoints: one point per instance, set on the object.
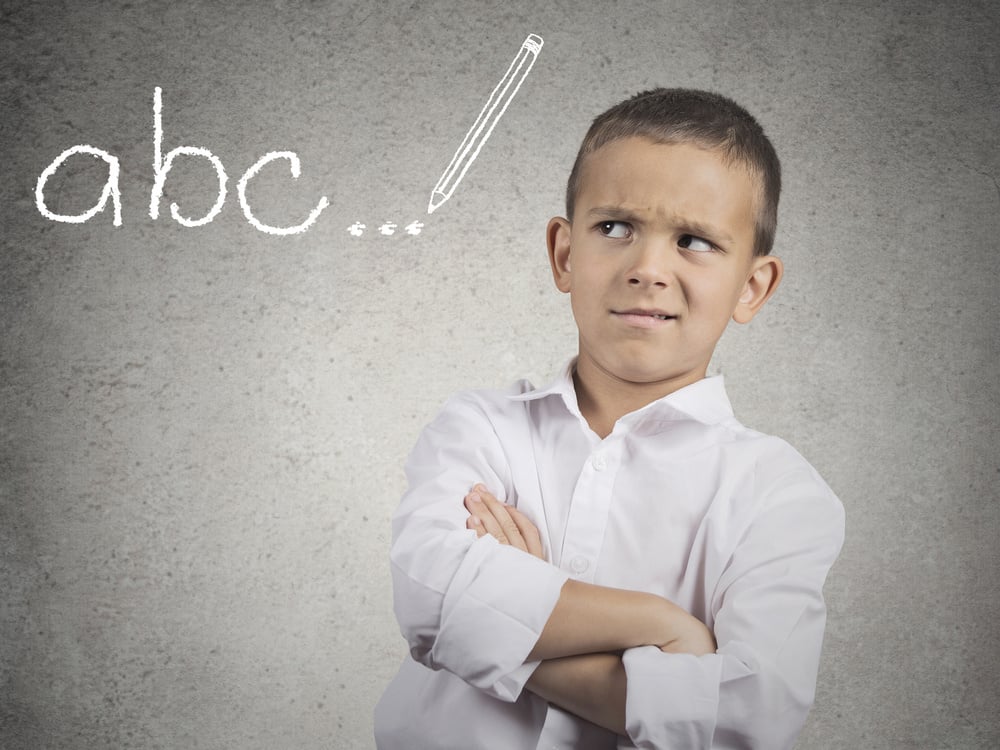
(641, 317)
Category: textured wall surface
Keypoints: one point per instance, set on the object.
(202, 430)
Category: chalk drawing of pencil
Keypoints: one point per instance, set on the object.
(488, 118)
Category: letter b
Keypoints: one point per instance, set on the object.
(161, 167)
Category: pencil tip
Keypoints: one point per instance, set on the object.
(437, 198)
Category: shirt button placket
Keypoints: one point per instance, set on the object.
(588, 514)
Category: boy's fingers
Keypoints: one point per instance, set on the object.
(503, 522)
(520, 526)
(495, 517)
(503, 517)
(472, 522)
(529, 532)
(475, 503)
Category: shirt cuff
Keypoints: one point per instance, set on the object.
(493, 615)
(672, 700)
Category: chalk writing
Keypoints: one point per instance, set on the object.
(110, 187)
(161, 168)
(466, 154)
(387, 229)
(296, 170)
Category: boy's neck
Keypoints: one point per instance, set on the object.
(604, 399)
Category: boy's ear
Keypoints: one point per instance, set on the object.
(557, 236)
(764, 278)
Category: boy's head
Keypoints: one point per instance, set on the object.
(671, 219)
(700, 118)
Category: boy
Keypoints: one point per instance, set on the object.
(615, 561)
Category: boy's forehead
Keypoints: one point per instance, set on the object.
(634, 168)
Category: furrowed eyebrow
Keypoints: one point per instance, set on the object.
(704, 230)
(689, 226)
(601, 212)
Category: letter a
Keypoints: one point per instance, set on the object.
(110, 187)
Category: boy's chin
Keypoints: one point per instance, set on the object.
(652, 374)
(673, 378)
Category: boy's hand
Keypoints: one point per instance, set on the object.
(504, 522)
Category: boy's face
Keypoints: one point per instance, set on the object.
(657, 259)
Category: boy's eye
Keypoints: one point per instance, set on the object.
(690, 242)
(618, 230)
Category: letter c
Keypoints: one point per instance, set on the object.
(296, 169)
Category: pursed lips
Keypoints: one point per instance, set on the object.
(644, 318)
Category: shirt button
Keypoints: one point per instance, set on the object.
(599, 462)
(579, 564)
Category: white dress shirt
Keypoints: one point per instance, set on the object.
(680, 500)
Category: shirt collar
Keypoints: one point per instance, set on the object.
(562, 386)
(704, 401)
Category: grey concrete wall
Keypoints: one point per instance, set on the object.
(202, 430)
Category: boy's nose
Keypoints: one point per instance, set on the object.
(651, 266)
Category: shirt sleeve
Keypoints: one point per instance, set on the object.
(769, 616)
(470, 606)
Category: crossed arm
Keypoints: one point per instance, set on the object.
(580, 646)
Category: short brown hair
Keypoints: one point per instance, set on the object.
(692, 116)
